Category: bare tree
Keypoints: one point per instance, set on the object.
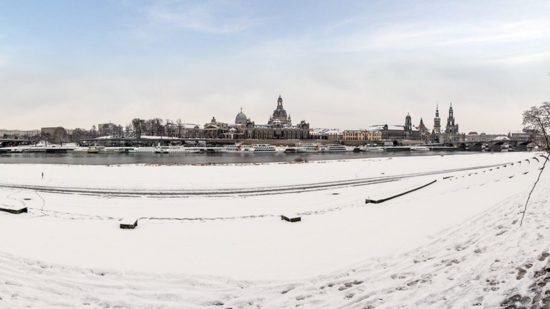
(538, 119)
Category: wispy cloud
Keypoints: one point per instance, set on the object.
(427, 35)
(217, 17)
(525, 58)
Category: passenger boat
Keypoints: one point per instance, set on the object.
(264, 148)
(420, 148)
(309, 148)
(214, 149)
(162, 149)
(334, 148)
(374, 149)
(232, 148)
(291, 149)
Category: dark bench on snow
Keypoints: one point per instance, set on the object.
(369, 201)
(291, 219)
(13, 209)
(129, 224)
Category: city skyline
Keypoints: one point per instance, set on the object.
(337, 66)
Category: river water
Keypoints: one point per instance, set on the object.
(193, 158)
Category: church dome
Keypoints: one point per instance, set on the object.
(241, 118)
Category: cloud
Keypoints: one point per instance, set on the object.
(216, 17)
(432, 35)
(344, 72)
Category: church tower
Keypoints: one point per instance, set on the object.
(452, 127)
(408, 123)
(437, 121)
(279, 117)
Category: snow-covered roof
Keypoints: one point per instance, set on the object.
(321, 131)
(157, 137)
(380, 127)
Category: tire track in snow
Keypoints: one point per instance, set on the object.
(242, 191)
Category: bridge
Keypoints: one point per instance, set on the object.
(494, 145)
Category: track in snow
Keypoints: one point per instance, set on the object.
(242, 191)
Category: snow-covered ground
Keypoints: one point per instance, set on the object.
(455, 243)
(170, 177)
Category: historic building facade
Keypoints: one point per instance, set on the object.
(279, 126)
(451, 134)
(361, 135)
(279, 117)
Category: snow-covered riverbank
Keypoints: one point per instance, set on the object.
(236, 176)
(455, 243)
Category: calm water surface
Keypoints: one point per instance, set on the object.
(193, 158)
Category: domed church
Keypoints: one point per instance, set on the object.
(241, 118)
(280, 117)
(279, 126)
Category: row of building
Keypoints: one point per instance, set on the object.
(278, 127)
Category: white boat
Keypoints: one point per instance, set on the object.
(374, 149)
(334, 148)
(95, 149)
(214, 149)
(309, 148)
(420, 148)
(291, 149)
(264, 148)
(233, 148)
(116, 149)
(162, 149)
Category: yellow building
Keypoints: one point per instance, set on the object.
(361, 135)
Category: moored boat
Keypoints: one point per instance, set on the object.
(374, 149)
(233, 148)
(420, 148)
(264, 148)
(162, 149)
(334, 148)
(309, 148)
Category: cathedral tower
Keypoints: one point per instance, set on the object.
(452, 127)
(437, 121)
(408, 123)
(279, 117)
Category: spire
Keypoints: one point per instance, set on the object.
(280, 101)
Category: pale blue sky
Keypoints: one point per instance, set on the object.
(345, 64)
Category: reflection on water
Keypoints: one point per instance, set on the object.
(192, 158)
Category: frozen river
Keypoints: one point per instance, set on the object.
(193, 158)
